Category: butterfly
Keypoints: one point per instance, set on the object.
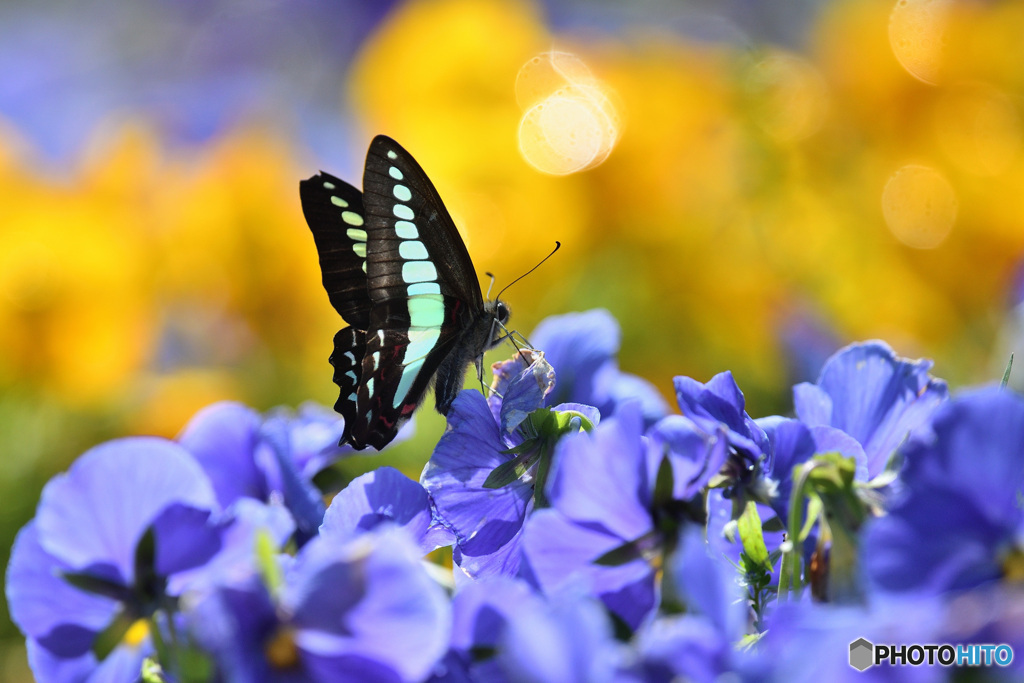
(397, 271)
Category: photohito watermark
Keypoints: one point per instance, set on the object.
(865, 654)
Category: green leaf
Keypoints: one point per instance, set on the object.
(1006, 374)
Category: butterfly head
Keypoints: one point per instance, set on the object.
(499, 312)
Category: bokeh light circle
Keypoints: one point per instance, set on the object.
(569, 123)
(919, 206)
(917, 34)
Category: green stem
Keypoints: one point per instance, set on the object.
(789, 572)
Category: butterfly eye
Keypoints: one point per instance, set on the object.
(502, 312)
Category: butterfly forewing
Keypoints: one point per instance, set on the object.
(334, 212)
(415, 240)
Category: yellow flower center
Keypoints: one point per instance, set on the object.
(281, 651)
(1013, 566)
(137, 633)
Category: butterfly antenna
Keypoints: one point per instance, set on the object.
(490, 286)
(558, 245)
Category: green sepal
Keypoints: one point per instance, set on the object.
(749, 527)
(510, 471)
(481, 653)
(195, 665)
(1006, 373)
(814, 511)
(772, 525)
(639, 549)
(110, 637)
(266, 562)
(152, 672)
(564, 418)
(748, 641)
(97, 586)
(664, 483)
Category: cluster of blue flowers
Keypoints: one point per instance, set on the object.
(595, 536)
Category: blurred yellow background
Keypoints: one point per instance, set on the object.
(738, 196)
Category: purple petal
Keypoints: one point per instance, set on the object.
(526, 392)
(96, 513)
(481, 609)
(41, 603)
(561, 552)
(371, 599)
(720, 401)
(709, 585)
(577, 345)
(601, 477)
(313, 435)
(384, 495)
(185, 539)
(877, 398)
(482, 519)
(222, 437)
(695, 456)
(246, 520)
(620, 387)
(123, 664)
(301, 497)
(934, 542)
(566, 640)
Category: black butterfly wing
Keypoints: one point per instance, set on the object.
(422, 287)
(334, 212)
(347, 359)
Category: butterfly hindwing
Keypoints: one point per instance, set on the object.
(347, 359)
(334, 212)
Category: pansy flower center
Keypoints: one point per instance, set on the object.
(280, 649)
(1013, 565)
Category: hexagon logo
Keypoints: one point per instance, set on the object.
(862, 654)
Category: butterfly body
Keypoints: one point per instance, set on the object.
(395, 268)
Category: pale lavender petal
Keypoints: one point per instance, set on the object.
(482, 519)
(601, 477)
(383, 495)
(222, 437)
(97, 512)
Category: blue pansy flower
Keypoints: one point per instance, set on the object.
(485, 516)
(873, 395)
(362, 610)
(582, 347)
(385, 495)
(567, 638)
(808, 642)
(481, 611)
(272, 458)
(95, 571)
(699, 644)
(958, 523)
(607, 525)
(789, 443)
